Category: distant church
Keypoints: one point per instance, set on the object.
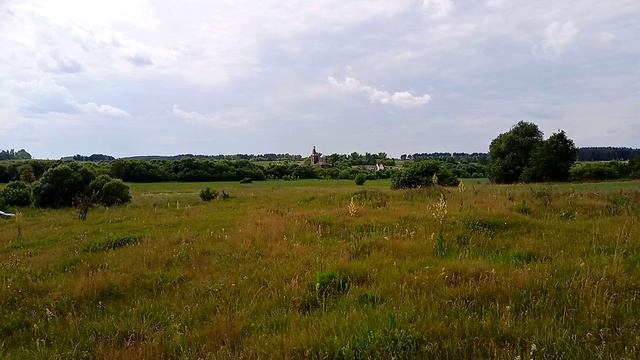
(317, 159)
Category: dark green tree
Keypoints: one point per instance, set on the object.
(61, 185)
(634, 167)
(511, 152)
(552, 160)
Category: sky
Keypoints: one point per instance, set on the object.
(142, 77)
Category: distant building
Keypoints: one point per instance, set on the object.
(376, 167)
(317, 159)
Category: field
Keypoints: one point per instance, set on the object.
(326, 269)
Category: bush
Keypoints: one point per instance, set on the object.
(246, 181)
(420, 174)
(595, 171)
(208, 195)
(108, 191)
(114, 192)
(60, 185)
(360, 179)
(17, 193)
(331, 283)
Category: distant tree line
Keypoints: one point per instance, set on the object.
(355, 159)
(480, 158)
(606, 153)
(14, 155)
(93, 157)
(189, 169)
(250, 157)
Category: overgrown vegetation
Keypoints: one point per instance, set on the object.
(420, 174)
(282, 271)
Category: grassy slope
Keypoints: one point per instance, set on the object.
(282, 270)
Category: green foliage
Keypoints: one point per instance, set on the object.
(521, 154)
(596, 171)
(331, 283)
(360, 179)
(420, 174)
(26, 173)
(73, 184)
(439, 245)
(114, 192)
(14, 155)
(110, 243)
(60, 185)
(552, 160)
(634, 167)
(511, 152)
(207, 194)
(17, 193)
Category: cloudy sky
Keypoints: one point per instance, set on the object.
(133, 77)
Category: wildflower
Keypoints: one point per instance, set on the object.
(461, 187)
(434, 179)
(439, 210)
(353, 209)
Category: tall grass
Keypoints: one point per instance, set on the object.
(285, 272)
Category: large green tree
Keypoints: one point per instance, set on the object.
(521, 154)
(511, 152)
(552, 160)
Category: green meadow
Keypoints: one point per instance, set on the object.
(325, 269)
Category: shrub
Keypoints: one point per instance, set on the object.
(360, 179)
(17, 193)
(344, 174)
(331, 283)
(114, 192)
(108, 244)
(246, 181)
(60, 185)
(595, 171)
(107, 191)
(421, 174)
(208, 195)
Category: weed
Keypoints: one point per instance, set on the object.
(352, 208)
(439, 245)
(110, 243)
(522, 208)
(207, 194)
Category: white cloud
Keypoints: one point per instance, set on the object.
(495, 3)
(44, 96)
(402, 99)
(437, 9)
(558, 37)
(57, 63)
(229, 119)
